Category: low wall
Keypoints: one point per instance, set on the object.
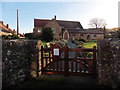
(18, 57)
(109, 62)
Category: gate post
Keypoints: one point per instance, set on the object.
(41, 60)
(94, 60)
(66, 61)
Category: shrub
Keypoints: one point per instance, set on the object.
(47, 34)
(14, 37)
(29, 35)
(73, 41)
(82, 40)
(89, 55)
(10, 37)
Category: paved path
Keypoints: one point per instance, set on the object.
(71, 45)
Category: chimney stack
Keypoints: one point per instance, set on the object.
(7, 25)
(1, 22)
(55, 17)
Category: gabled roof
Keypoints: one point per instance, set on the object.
(41, 22)
(63, 23)
(86, 31)
(69, 24)
(76, 30)
(6, 29)
(97, 31)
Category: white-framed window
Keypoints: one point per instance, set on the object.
(39, 30)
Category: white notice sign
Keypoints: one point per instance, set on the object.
(56, 52)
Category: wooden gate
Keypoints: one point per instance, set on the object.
(68, 61)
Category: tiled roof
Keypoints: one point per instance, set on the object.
(40, 22)
(69, 24)
(76, 30)
(64, 24)
(6, 29)
(94, 31)
(86, 31)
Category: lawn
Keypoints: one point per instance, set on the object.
(90, 44)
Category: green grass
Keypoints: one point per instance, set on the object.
(44, 43)
(90, 44)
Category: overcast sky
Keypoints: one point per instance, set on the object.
(79, 10)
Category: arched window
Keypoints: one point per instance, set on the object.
(66, 35)
(88, 36)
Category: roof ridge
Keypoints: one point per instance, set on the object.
(56, 20)
(42, 19)
(67, 20)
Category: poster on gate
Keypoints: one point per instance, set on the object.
(56, 52)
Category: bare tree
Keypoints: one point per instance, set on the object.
(97, 23)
